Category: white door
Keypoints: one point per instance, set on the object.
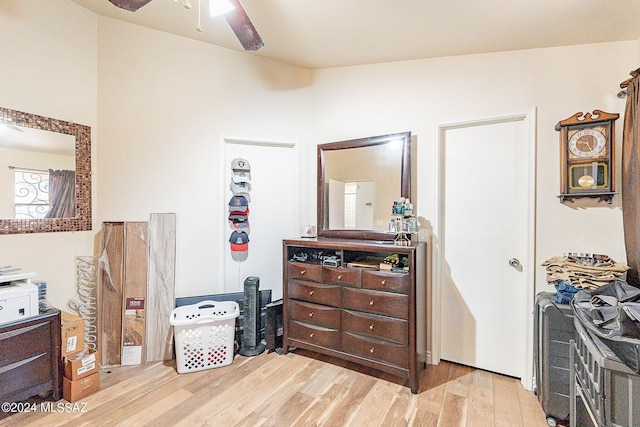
(365, 204)
(351, 204)
(483, 318)
(274, 213)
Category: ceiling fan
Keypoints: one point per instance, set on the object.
(237, 19)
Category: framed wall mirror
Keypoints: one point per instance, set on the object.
(45, 174)
(358, 181)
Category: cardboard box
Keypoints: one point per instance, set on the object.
(76, 390)
(72, 334)
(80, 367)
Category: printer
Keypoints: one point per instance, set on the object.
(18, 297)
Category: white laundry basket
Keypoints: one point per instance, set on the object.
(204, 335)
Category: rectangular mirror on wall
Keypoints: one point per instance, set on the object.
(358, 181)
(45, 174)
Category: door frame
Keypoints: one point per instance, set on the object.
(224, 142)
(528, 117)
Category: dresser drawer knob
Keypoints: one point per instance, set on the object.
(310, 293)
(340, 277)
(302, 272)
(371, 350)
(384, 282)
(311, 335)
(311, 314)
(371, 326)
(371, 303)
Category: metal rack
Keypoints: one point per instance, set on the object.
(608, 388)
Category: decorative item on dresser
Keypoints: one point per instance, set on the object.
(30, 361)
(355, 311)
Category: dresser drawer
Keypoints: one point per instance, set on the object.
(384, 327)
(314, 292)
(372, 348)
(391, 282)
(318, 335)
(23, 343)
(341, 276)
(30, 361)
(300, 270)
(391, 304)
(319, 315)
(23, 374)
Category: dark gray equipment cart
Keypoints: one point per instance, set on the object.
(609, 389)
(554, 330)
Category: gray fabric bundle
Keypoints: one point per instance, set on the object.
(612, 313)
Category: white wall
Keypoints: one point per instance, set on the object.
(49, 67)
(416, 95)
(164, 104)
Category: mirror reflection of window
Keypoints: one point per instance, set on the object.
(350, 189)
(28, 191)
(31, 193)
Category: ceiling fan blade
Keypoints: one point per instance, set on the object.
(243, 27)
(130, 5)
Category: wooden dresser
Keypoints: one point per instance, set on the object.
(365, 315)
(30, 361)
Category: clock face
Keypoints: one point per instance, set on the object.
(588, 142)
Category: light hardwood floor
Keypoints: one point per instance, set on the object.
(297, 389)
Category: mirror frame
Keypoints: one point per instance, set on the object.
(82, 134)
(405, 182)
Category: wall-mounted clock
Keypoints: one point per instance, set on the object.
(587, 155)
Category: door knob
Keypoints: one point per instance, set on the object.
(514, 262)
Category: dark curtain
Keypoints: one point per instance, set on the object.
(62, 194)
(631, 177)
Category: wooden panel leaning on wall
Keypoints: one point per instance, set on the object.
(136, 254)
(161, 288)
(123, 287)
(111, 285)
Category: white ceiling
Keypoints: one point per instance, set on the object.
(331, 33)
